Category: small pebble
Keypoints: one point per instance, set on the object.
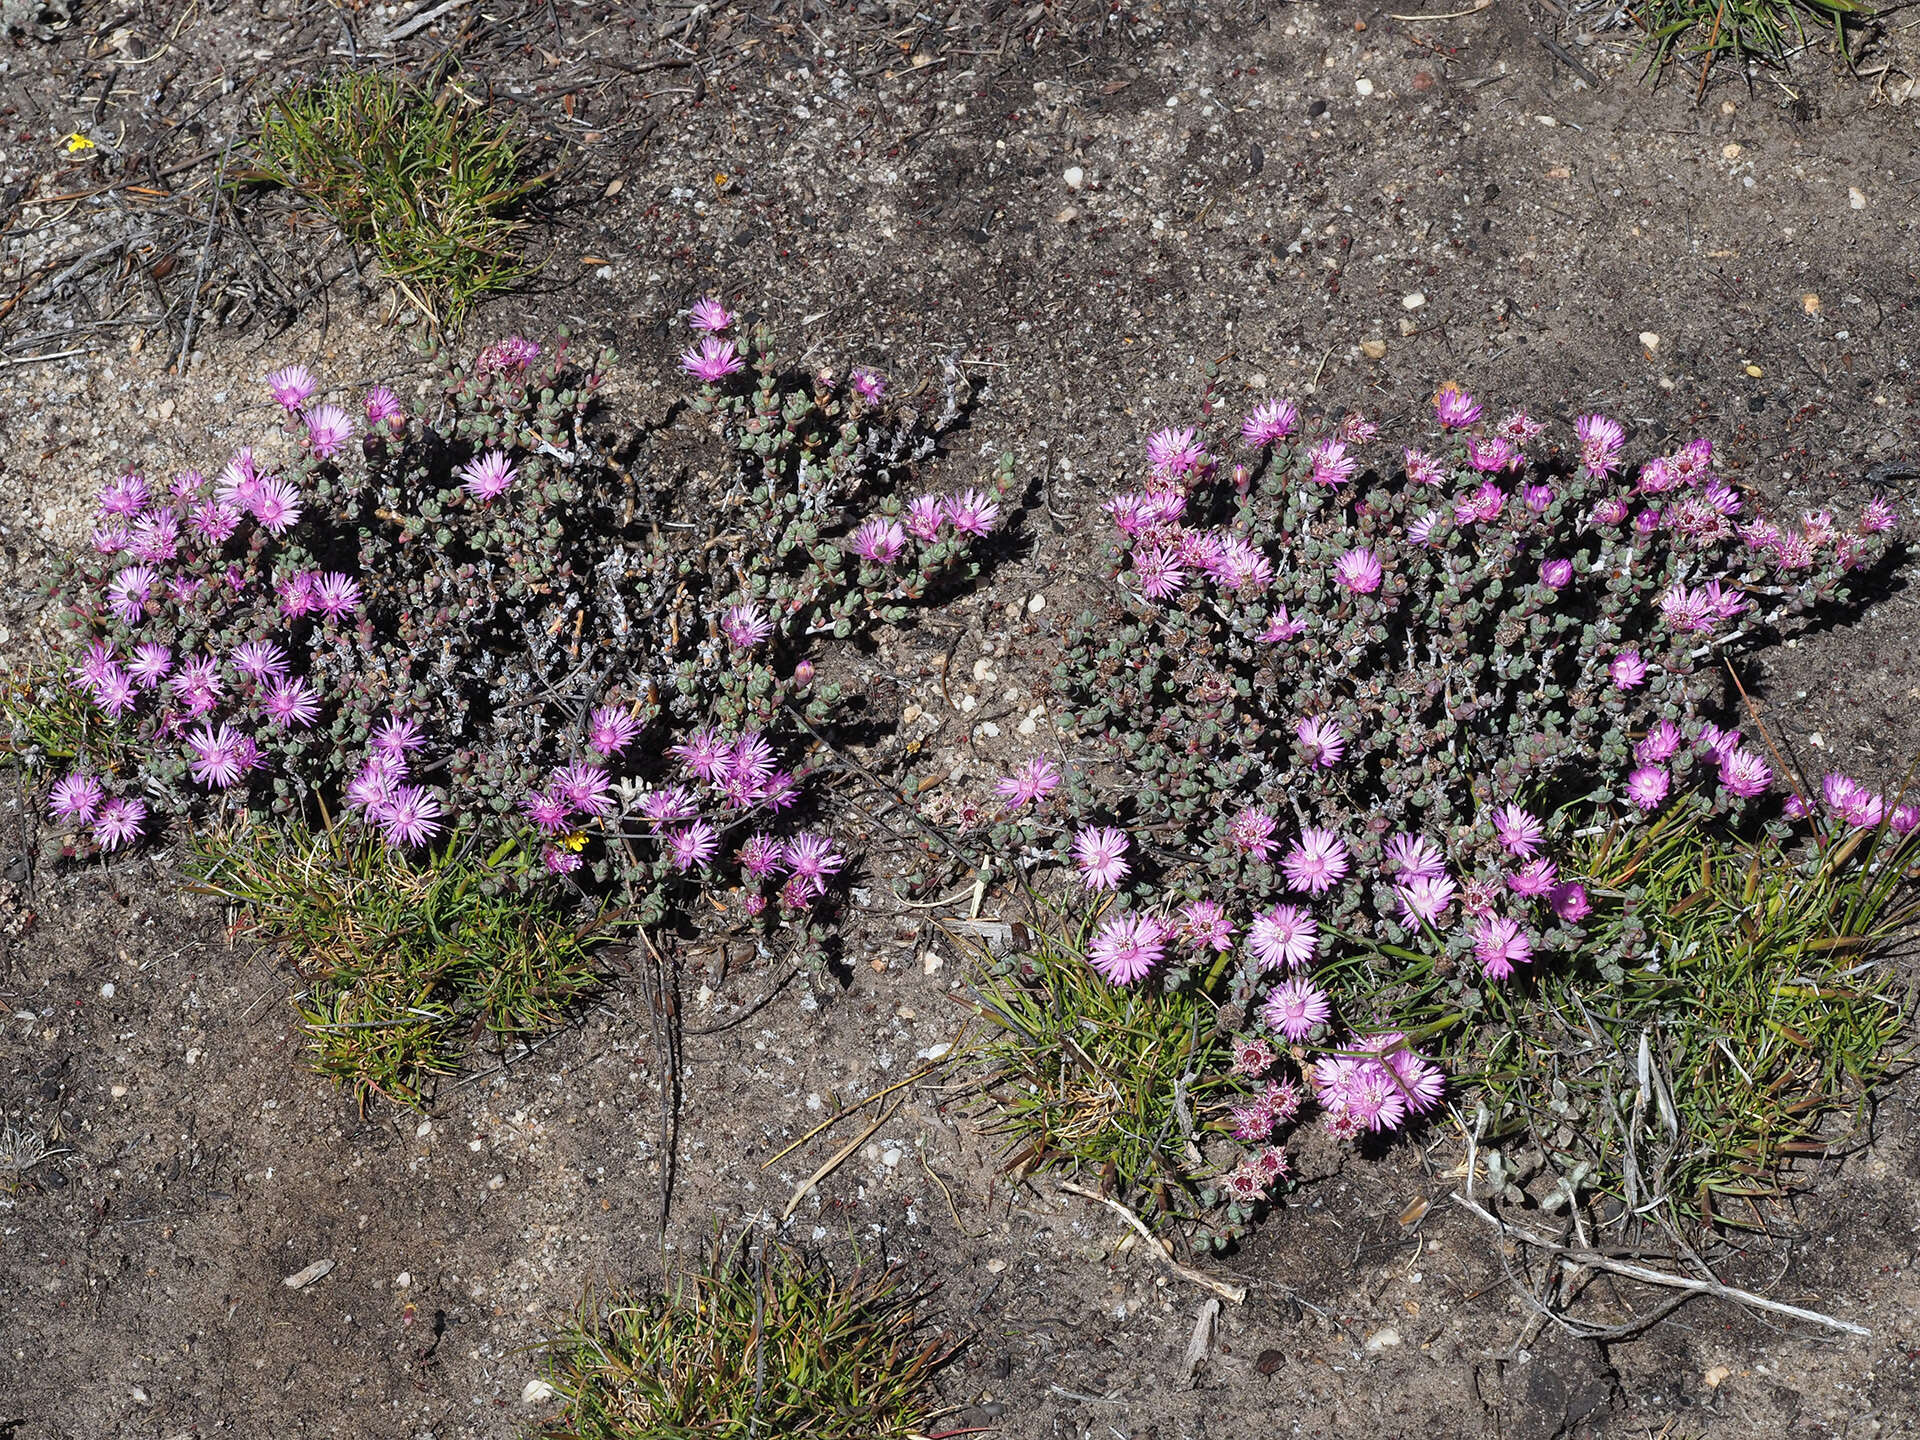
(1413, 301)
(1810, 303)
(1856, 198)
(423, 1129)
(1075, 177)
(930, 962)
(1374, 349)
(890, 1157)
(106, 991)
(1363, 86)
(537, 1392)
(1036, 604)
(119, 1092)
(403, 1280)
(498, 1182)
(300, 1279)
(1383, 1340)
(1650, 339)
(995, 1266)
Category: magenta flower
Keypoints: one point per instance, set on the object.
(610, 729)
(1159, 572)
(411, 816)
(150, 664)
(1878, 516)
(1610, 511)
(869, 386)
(703, 752)
(1499, 944)
(1316, 862)
(710, 316)
(1423, 469)
(750, 758)
(335, 594)
(111, 538)
(1126, 947)
(1359, 570)
(1520, 831)
(1903, 820)
(214, 521)
(712, 360)
(1281, 628)
(1412, 857)
(155, 537)
(197, 684)
(1331, 465)
(488, 476)
(328, 428)
(1417, 1078)
(925, 515)
(119, 822)
(1454, 408)
(558, 861)
(1251, 833)
(125, 496)
(584, 787)
(1519, 428)
(1490, 455)
(1205, 924)
(1173, 452)
(218, 759)
(1601, 440)
(1628, 670)
(76, 798)
(292, 387)
(383, 406)
(1322, 742)
(1537, 498)
(129, 591)
(1424, 899)
(1569, 901)
(275, 504)
(1555, 574)
(259, 660)
(879, 540)
(1294, 1007)
(813, 861)
(1270, 422)
(1031, 784)
(1535, 878)
(1852, 802)
(296, 594)
(1659, 745)
(1242, 565)
(745, 626)
(692, 848)
(291, 704)
(970, 512)
(548, 811)
(397, 736)
(1252, 1056)
(95, 661)
(1101, 855)
(762, 856)
(114, 693)
(1745, 774)
(507, 356)
(1252, 1120)
(1283, 936)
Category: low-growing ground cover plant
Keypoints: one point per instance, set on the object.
(472, 639)
(1361, 727)
(758, 1340)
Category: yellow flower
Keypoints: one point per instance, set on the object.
(77, 142)
(574, 840)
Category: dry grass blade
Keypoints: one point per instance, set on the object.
(1157, 1248)
(839, 1159)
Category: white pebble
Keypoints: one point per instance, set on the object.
(1363, 86)
(106, 991)
(1413, 301)
(1856, 198)
(537, 1392)
(1075, 177)
(423, 1129)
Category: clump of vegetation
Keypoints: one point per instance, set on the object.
(1739, 31)
(757, 1341)
(432, 184)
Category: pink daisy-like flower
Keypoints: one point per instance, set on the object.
(155, 537)
(1903, 820)
(703, 752)
(1159, 572)
(296, 594)
(214, 521)
(1281, 628)
(761, 856)
(1374, 1100)
(1659, 745)
(218, 759)
(1601, 440)
(1283, 1099)
(118, 822)
(412, 815)
(335, 594)
(182, 588)
(125, 496)
(610, 729)
(1878, 516)
(197, 684)
(94, 662)
(1322, 741)
(275, 504)
(1424, 899)
(693, 847)
(548, 811)
(1413, 857)
(76, 797)
(1569, 901)
(259, 660)
(669, 805)
(1499, 944)
(1423, 469)
(745, 626)
(1537, 498)
(869, 386)
(558, 861)
(1745, 774)
(150, 664)
(114, 693)
(1316, 862)
(812, 860)
(292, 386)
(1519, 831)
(1285, 936)
(750, 758)
(1556, 574)
(585, 788)
(1519, 428)
(1417, 1079)
(1243, 1185)
(712, 360)
(1251, 833)
(1490, 455)
(1241, 565)
(383, 406)
(1359, 570)
(710, 316)
(1252, 1056)
(397, 736)
(1126, 947)
(970, 512)
(328, 428)
(129, 591)
(879, 540)
(372, 785)
(925, 515)
(1252, 1120)
(1031, 784)
(1535, 878)
(1101, 855)
(488, 476)
(1204, 923)
(1454, 408)
(111, 537)
(291, 704)
(1270, 422)
(1331, 465)
(1478, 894)
(1627, 670)
(1174, 451)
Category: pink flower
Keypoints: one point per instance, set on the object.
(1555, 574)
(1492, 456)
(548, 811)
(712, 360)
(119, 822)
(1424, 899)
(1569, 901)
(488, 476)
(1903, 820)
(1251, 833)
(559, 862)
(925, 516)
(275, 504)
(383, 406)
(214, 521)
(296, 594)
(710, 316)
(1031, 784)
(762, 856)
(1126, 947)
(870, 387)
(1282, 627)
(328, 428)
(584, 788)
(1205, 924)
(76, 798)
(1251, 1120)
(1423, 469)
(1520, 831)
(129, 591)
(259, 660)
(812, 860)
(125, 496)
(411, 816)
(1601, 440)
(292, 387)
(1533, 879)
(291, 704)
(1659, 745)
(1322, 742)
(1252, 1056)
(1174, 452)
(155, 537)
(150, 664)
(1294, 1007)
(1454, 408)
(744, 626)
(397, 736)
(1877, 516)
(1285, 936)
(611, 729)
(1417, 1079)
(1270, 422)
(1359, 570)
(1413, 857)
(1101, 856)
(1628, 670)
(703, 752)
(1356, 429)
(970, 512)
(1317, 860)
(218, 758)
(1331, 463)
(507, 356)
(1519, 428)
(1745, 774)
(1852, 802)
(1499, 944)
(335, 594)
(669, 805)
(879, 540)
(1159, 573)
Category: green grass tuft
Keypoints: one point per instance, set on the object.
(1705, 31)
(403, 965)
(758, 1341)
(429, 183)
